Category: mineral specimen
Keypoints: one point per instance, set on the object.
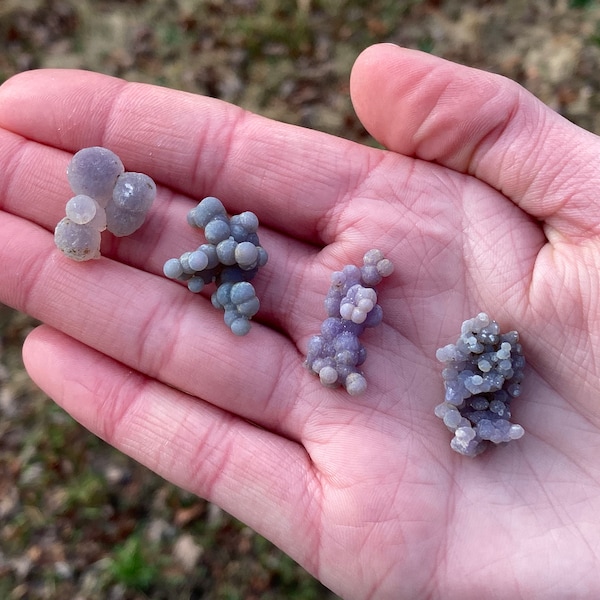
(230, 258)
(482, 374)
(336, 354)
(106, 197)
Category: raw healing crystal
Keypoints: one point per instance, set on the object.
(230, 258)
(107, 197)
(482, 374)
(336, 354)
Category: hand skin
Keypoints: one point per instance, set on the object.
(485, 200)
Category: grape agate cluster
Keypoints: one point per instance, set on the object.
(106, 197)
(230, 258)
(482, 373)
(336, 354)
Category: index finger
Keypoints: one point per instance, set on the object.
(200, 146)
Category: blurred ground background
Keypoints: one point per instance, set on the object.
(78, 519)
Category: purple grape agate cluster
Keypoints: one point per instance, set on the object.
(336, 354)
(482, 373)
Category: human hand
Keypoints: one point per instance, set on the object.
(486, 200)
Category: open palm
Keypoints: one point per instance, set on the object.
(485, 200)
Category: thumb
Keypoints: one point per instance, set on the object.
(485, 125)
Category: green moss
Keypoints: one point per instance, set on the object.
(131, 565)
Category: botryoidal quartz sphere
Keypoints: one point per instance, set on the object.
(482, 374)
(230, 258)
(106, 197)
(336, 354)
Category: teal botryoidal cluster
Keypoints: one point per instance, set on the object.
(230, 258)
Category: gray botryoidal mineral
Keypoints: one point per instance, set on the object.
(230, 258)
(482, 374)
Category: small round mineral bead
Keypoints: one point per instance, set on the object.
(321, 362)
(385, 267)
(365, 293)
(246, 254)
(485, 429)
(466, 447)
(356, 384)
(479, 403)
(172, 268)
(209, 208)
(195, 284)
(249, 308)
(516, 431)
(134, 192)
(240, 326)
(346, 340)
(184, 259)
(372, 257)
(331, 327)
(263, 257)
(230, 315)
(441, 409)
(504, 351)
(237, 232)
(447, 353)
(481, 320)
(346, 311)
(242, 292)
(211, 253)
(249, 221)
(224, 294)
(370, 275)
(215, 301)
(123, 222)
(452, 418)
(81, 209)
(484, 365)
(465, 434)
(78, 242)
(332, 303)
(197, 260)
(328, 376)
(498, 407)
(226, 251)
(314, 347)
(338, 280)
(216, 231)
(94, 171)
(514, 390)
(374, 317)
(347, 358)
(353, 275)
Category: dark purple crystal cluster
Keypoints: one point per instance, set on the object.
(336, 354)
(482, 374)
